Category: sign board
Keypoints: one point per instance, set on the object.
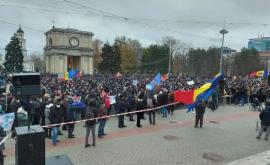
(190, 82)
(6, 121)
(112, 99)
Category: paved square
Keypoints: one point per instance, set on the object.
(228, 134)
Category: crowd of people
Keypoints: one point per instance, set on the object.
(88, 97)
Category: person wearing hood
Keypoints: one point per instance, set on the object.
(265, 121)
(54, 117)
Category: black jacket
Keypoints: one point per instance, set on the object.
(35, 107)
(265, 117)
(200, 108)
(94, 112)
(121, 106)
(54, 115)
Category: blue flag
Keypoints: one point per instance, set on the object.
(70, 74)
(265, 73)
(156, 80)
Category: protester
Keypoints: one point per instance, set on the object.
(90, 125)
(70, 118)
(200, 109)
(265, 121)
(55, 118)
(2, 146)
(102, 121)
(131, 101)
(35, 111)
(48, 130)
(140, 106)
(171, 101)
(151, 103)
(121, 108)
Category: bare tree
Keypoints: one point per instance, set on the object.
(176, 48)
(97, 45)
(38, 60)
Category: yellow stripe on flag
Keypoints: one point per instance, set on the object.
(66, 76)
(260, 73)
(201, 90)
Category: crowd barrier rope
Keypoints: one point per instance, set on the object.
(103, 117)
(109, 116)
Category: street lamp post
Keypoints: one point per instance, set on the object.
(223, 32)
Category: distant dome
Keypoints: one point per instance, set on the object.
(20, 30)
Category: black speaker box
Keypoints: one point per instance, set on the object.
(30, 145)
(26, 84)
(58, 160)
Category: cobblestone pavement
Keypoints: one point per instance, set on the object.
(258, 159)
(228, 134)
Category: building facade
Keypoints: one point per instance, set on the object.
(68, 49)
(260, 44)
(27, 64)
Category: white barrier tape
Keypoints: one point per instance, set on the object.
(5, 138)
(105, 117)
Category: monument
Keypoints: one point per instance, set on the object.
(68, 49)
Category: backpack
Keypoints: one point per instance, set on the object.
(89, 114)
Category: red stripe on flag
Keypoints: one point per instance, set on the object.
(253, 74)
(185, 97)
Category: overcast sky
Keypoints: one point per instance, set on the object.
(195, 22)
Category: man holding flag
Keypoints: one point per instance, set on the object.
(200, 109)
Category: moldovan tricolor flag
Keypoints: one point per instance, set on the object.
(164, 77)
(192, 97)
(261, 73)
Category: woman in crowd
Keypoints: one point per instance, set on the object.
(90, 125)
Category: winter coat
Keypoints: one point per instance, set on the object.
(265, 117)
(70, 113)
(47, 112)
(164, 99)
(54, 115)
(121, 106)
(90, 113)
(200, 108)
(131, 102)
(35, 108)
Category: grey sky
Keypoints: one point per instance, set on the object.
(196, 22)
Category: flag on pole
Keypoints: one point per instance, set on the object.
(261, 73)
(192, 97)
(156, 80)
(66, 76)
(164, 77)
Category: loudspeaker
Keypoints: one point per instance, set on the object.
(26, 84)
(58, 160)
(30, 145)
